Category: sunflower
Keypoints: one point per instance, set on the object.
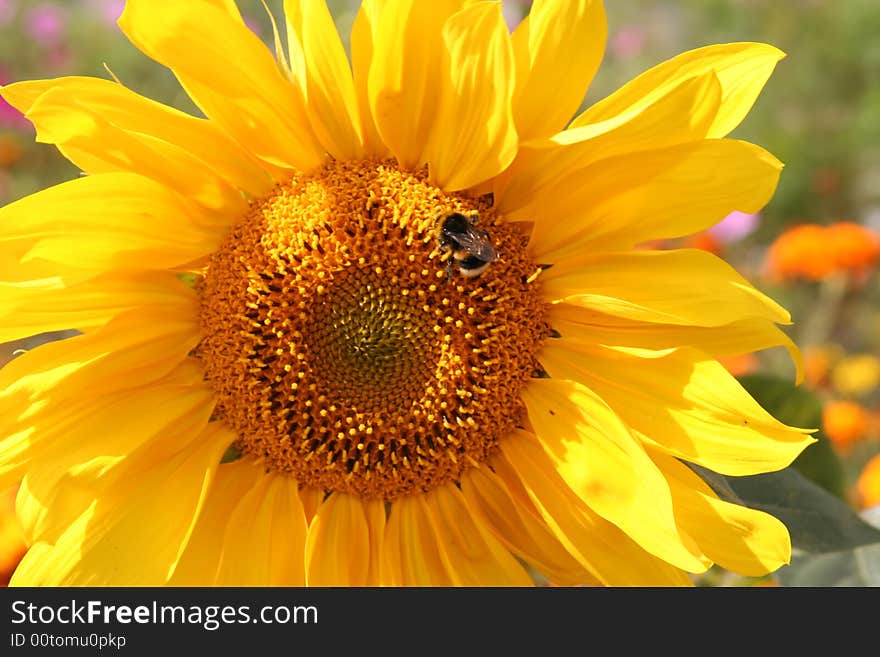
(294, 368)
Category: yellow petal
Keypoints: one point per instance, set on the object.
(228, 6)
(433, 540)
(106, 430)
(376, 519)
(404, 79)
(311, 499)
(264, 541)
(629, 199)
(31, 516)
(230, 75)
(602, 548)
(520, 529)
(681, 115)
(743, 540)
(684, 402)
(148, 342)
(33, 307)
(742, 69)
(473, 137)
(199, 561)
(589, 327)
(55, 383)
(687, 286)
(410, 555)
(343, 545)
(145, 125)
(324, 75)
(472, 556)
(596, 455)
(77, 129)
(114, 221)
(363, 34)
(558, 47)
(110, 544)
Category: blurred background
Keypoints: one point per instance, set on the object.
(814, 248)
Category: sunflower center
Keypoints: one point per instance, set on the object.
(347, 350)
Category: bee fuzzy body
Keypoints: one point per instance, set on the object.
(470, 247)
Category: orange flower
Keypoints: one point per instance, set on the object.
(868, 484)
(845, 423)
(800, 252)
(10, 150)
(705, 241)
(818, 363)
(855, 246)
(740, 364)
(815, 252)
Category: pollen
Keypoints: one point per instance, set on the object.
(345, 352)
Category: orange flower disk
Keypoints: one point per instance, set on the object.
(814, 252)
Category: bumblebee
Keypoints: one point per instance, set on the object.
(471, 248)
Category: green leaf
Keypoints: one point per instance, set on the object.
(787, 402)
(857, 567)
(188, 278)
(798, 407)
(817, 521)
(231, 454)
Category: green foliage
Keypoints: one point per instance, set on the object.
(231, 454)
(859, 566)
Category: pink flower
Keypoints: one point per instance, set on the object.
(45, 23)
(734, 227)
(7, 11)
(9, 116)
(628, 42)
(107, 11)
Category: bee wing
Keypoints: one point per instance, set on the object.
(477, 243)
